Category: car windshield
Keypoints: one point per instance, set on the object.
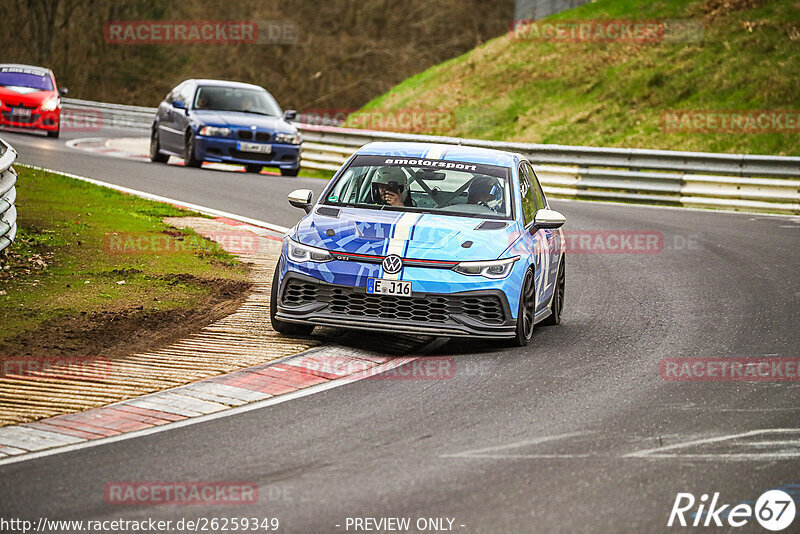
(236, 99)
(414, 184)
(22, 77)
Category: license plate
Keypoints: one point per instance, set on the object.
(21, 112)
(379, 286)
(254, 147)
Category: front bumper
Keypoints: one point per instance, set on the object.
(37, 120)
(307, 300)
(223, 150)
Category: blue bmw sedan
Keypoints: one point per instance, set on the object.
(427, 239)
(225, 122)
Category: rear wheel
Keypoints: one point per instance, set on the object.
(557, 304)
(155, 149)
(527, 310)
(282, 327)
(189, 157)
(290, 172)
(253, 168)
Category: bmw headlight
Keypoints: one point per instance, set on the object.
(214, 131)
(288, 139)
(300, 253)
(495, 269)
(50, 104)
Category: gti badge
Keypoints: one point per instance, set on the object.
(392, 264)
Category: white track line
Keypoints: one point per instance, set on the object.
(149, 196)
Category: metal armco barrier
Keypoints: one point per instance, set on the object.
(692, 179)
(8, 194)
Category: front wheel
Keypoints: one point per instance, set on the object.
(155, 149)
(253, 168)
(557, 304)
(282, 327)
(527, 311)
(189, 156)
(290, 172)
(54, 134)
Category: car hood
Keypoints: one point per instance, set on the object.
(243, 120)
(422, 236)
(17, 96)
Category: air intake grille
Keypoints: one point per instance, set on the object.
(435, 309)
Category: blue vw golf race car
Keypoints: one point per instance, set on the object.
(427, 239)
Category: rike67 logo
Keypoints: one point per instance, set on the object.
(774, 510)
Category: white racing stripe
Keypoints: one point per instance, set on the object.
(399, 239)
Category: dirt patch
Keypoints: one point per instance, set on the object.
(714, 8)
(120, 333)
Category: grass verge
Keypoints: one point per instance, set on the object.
(65, 286)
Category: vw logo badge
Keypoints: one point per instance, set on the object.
(392, 264)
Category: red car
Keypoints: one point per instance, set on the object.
(29, 98)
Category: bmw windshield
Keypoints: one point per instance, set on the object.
(418, 184)
(238, 99)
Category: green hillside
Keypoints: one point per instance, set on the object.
(740, 55)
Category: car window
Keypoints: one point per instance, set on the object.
(527, 194)
(28, 78)
(239, 99)
(186, 93)
(538, 194)
(418, 184)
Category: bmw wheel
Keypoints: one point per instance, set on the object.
(155, 149)
(189, 156)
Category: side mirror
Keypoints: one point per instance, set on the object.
(290, 114)
(63, 91)
(179, 104)
(548, 219)
(301, 198)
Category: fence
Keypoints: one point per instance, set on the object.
(8, 194)
(695, 179)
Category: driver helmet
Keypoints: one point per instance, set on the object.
(484, 189)
(393, 178)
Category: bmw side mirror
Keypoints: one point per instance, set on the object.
(63, 91)
(290, 114)
(301, 198)
(548, 219)
(179, 104)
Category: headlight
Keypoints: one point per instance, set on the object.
(300, 253)
(213, 131)
(489, 269)
(288, 139)
(50, 105)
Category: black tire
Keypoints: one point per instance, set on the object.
(155, 149)
(557, 304)
(282, 327)
(527, 311)
(55, 134)
(290, 172)
(253, 168)
(189, 158)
